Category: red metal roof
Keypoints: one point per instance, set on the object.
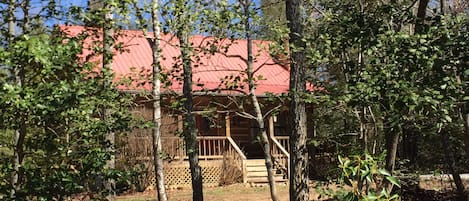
(208, 69)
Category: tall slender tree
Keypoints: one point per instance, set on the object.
(108, 42)
(445, 136)
(156, 93)
(259, 118)
(190, 129)
(185, 14)
(299, 188)
(20, 132)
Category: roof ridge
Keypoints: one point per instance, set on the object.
(267, 42)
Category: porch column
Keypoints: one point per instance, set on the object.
(227, 125)
(180, 123)
(271, 127)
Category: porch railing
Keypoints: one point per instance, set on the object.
(284, 141)
(234, 152)
(210, 147)
(280, 154)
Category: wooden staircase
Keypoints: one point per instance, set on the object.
(257, 172)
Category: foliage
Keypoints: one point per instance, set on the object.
(360, 178)
(375, 59)
(59, 102)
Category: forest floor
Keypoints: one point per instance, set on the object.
(431, 188)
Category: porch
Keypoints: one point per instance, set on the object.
(224, 159)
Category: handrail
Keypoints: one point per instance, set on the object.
(236, 148)
(242, 156)
(283, 140)
(198, 137)
(284, 152)
(284, 164)
(204, 143)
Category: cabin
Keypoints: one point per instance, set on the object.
(229, 151)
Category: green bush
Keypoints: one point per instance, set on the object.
(361, 178)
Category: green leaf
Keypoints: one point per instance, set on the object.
(393, 180)
(394, 197)
(384, 172)
(371, 197)
(447, 118)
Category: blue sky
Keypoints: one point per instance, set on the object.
(38, 5)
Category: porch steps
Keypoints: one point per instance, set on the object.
(257, 172)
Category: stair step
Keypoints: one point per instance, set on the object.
(257, 172)
(256, 168)
(255, 162)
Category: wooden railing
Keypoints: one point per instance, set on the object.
(280, 154)
(173, 148)
(284, 141)
(234, 152)
(210, 147)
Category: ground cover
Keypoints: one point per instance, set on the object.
(242, 192)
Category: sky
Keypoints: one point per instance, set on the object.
(37, 7)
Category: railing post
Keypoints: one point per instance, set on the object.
(271, 127)
(180, 123)
(271, 133)
(245, 172)
(227, 125)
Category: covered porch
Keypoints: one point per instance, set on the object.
(228, 151)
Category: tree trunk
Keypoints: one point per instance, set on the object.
(299, 188)
(466, 131)
(156, 131)
(11, 21)
(265, 143)
(360, 114)
(421, 13)
(268, 159)
(391, 141)
(190, 130)
(409, 144)
(20, 132)
(108, 42)
(450, 161)
(18, 156)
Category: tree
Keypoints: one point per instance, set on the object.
(156, 85)
(258, 117)
(61, 148)
(108, 42)
(448, 71)
(19, 132)
(299, 188)
(399, 64)
(351, 53)
(66, 146)
(183, 15)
